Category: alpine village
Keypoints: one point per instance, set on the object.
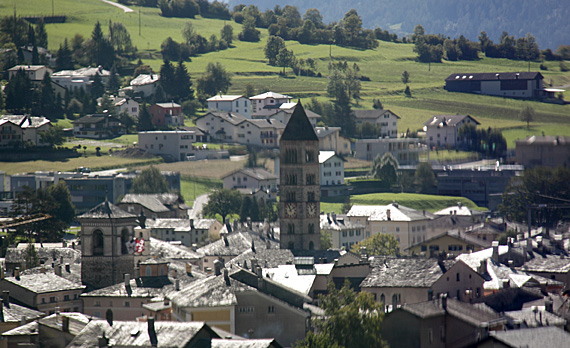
(323, 174)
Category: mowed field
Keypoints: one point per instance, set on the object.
(383, 65)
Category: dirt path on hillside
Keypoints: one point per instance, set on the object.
(122, 7)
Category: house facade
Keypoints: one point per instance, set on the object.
(22, 129)
(549, 151)
(283, 116)
(505, 84)
(144, 85)
(230, 103)
(251, 178)
(129, 106)
(344, 233)
(407, 225)
(80, 78)
(166, 114)
(331, 173)
(177, 144)
(267, 103)
(444, 130)
(98, 126)
(221, 125)
(406, 151)
(331, 140)
(34, 72)
(386, 119)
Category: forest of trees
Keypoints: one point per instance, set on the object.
(450, 18)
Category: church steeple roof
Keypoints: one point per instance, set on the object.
(299, 127)
(106, 210)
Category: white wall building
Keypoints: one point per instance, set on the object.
(231, 103)
(251, 178)
(80, 78)
(176, 144)
(283, 116)
(17, 129)
(384, 118)
(443, 130)
(34, 72)
(344, 233)
(405, 150)
(331, 173)
(144, 84)
(128, 105)
(267, 103)
(407, 225)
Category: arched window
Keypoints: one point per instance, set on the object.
(311, 245)
(394, 301)
(309, 156)
(125, 238)
(98, 243)
(291, 246)
(311, 228)
(382, 299)
(291, 156)
(290, 229)
(148, 271)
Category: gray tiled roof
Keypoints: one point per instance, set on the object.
(256, 173)
(204, 224)
(106, 210)
(473, 314)
(47, 254)
(29, 329)
(42, 283)
(550, 336)
(404, 272)
(530, 318)
(494, 76)
(237, 244)
(547, 263)
(157, 202)
(447, 120)
(364, 114)
(545, 140)
(255, 343)
(265, 257)
(174, 224)
(456, 234)
(135, 334)
(166, 250)
(14, 313)
(77, 321)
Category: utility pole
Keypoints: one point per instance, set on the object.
(52, 12)
(139, 22)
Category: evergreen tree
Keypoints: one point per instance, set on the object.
(272, 47)
(48, 102)
(100, 50)
(96, 89)
(64, 60)
(215, 80)
(145, 120)
(249, 33)
(182, 83)
(424, 178)
(41, 33)
(35, 56)
(245, 210)
(167, 78)
(18, 92)
(113, 84)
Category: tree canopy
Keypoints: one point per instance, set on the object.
(223, 202)
(424, 178)
(386, 168)
(351, 320)
(150, 180)
(378, 244)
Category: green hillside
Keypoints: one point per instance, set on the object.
(383, 65)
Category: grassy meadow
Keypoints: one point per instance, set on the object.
(383, 65)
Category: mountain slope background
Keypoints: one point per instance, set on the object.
(547, 20)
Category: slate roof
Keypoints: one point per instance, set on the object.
(267, 258)
(297, 279)
(226, 97)
(204, 224)
(135, 334)
(25, 121)
(27, 67)
(45, 253)
(168, 105)
(458, 235)
(299, 127)
(237, 244)
(270, 95)
(83, 72)
(77, 321)
(327, 223)
(326, 131)
(256, 173)
(144, 287)
(231, 117)
(529, 318)
(550, 336)
(29, 329)
(266, 123)
(510, 299)
(156, 202)
(170, 251)
(212, 291)
(13, 313)
(448, 120)
(106, 210)
(364, 114)
(494, 76)
(476, 315)
(547, 263)
(179, 225)
(145, 79)
(404, 272)
(44, 283)
(459, 210)
(244, 343)
(94, 119)
(554, 140)
(380, 212)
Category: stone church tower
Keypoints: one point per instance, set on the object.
(106, 231)
(299, 206)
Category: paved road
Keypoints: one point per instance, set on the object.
(122, 7)
(198, 206)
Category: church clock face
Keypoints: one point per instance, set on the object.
(312, 210)
(290, 210)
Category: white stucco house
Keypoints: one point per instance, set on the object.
(386, 119)
(231, 103)
(268, 103)
(174, 144)
(443, 130)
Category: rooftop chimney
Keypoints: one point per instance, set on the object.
(188, 268)
(444, 301)
(6, 297)
(17, 273)
(152, 332)
(192, 223)
(102, 341)
(430, 294)
(495, 246)
(226, 242)
(548, 305)
(388, 215)
(65, 323)
(177, 284)
(57, 270)
(127, 280)
(217, 267)
(227, 276)
(67, 268)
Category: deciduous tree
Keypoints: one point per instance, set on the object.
(527, 114)
(379, 244)
(424, 178)
(223, 202)
(150, 180)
